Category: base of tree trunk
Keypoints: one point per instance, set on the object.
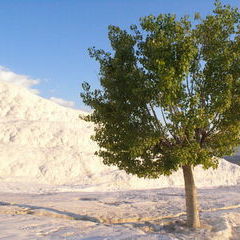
(192, 207)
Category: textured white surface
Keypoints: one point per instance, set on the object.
(46, 152)
(135, 214)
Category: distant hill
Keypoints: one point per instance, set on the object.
(235, 158)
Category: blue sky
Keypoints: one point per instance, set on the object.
(48, 39)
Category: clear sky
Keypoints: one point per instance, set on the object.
(48, 39)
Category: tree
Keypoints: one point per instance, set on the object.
(169, 96)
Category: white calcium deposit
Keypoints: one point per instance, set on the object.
(45, 143)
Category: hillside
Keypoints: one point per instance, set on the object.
(46, 143)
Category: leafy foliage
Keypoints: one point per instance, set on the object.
(170, 93)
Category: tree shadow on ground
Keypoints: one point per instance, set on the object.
(71, 215)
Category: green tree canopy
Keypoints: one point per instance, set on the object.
(170, 93)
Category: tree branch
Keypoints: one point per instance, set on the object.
(155, 116)
(164, 119)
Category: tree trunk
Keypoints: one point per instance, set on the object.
(193, 220)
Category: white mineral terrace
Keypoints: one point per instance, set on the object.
(53, 187)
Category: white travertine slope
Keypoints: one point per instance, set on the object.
(43, 142)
